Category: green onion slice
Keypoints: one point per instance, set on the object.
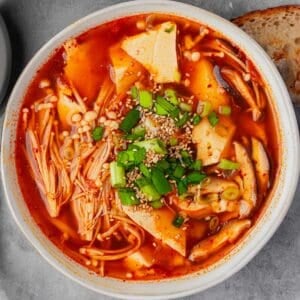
(178, 221)
(128, 197)
(97, 133)
(145, 99)
(160, 182)
(213, 119)
(130, 120)
(226, 164)
(171, 96)
(225, 110)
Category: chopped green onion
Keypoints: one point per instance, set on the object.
(226, 164)
(130, 120)
(178, 221)
(162, 165)
(171, 109)
(213, 119)
(150, 192)
(196, 165)
(185, 106)
(160, 110)
(181, 187)
(155, 145)
(183, 120)
(173, 141)
(160, 182)
(157, 204)
(186, 158)
(207, 108)
(142, 181)
(171, 96)
(196, 120)
(137, 132)
(175, 113)
(97, 133)
(184, 154)
(145, 171)
(128, 197)
(117, 175)
(134, 92)
(225, 110)
(195, 177)
(145, 99)
(131, 157)
(179, 171)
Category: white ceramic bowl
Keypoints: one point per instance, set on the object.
(241, 255)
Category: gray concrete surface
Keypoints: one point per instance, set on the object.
(273, 274)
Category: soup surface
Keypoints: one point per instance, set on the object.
(146, 147)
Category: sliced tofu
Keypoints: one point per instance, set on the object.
(205, 86)
(140, 259)
(156, 51)
(228, 234)
(212, 141)
(248, 175)
(158, 222)
(82, 66)
(126, 70)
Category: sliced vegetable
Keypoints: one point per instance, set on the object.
(97, 133)
(117, 175)
(150, 192)
(225, 110)
(160, 110)
(183, 120)
(130, 120)
(186, 157)
(171, 96)
(128, 197)
(196, 120)
(226, 164)
(231, 193)
(142, 181)
(172, 110)
(132, 156)
(162, 165)
(182, 187)
(196, 165)
(207, 108)
(134, 92)
(178, 221)
(157, 204)
(173, 141)
(213, 119)
(179, 171)
(185, 106)
(195, 177)
(145, 171)
(137, 132)
(160, 182)
(145, 99)
(155, 145)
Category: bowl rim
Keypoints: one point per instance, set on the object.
(289, 124)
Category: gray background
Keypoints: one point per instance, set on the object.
(273, 274)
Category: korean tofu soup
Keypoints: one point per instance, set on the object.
(147, 147)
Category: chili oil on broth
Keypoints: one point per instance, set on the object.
(91, 66)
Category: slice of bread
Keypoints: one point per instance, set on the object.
(277, 30)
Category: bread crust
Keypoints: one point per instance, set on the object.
(277, 30)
